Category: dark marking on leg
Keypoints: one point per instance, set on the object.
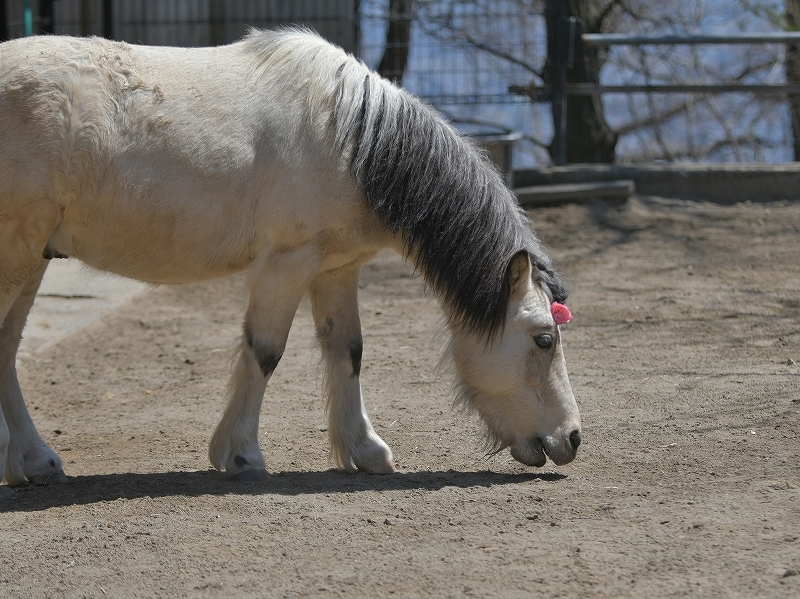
(248, 335)
(240, 461)
(267, 360)
(265, 355)
(49, 253)
(356, 348)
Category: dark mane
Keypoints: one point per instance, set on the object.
(459, 223)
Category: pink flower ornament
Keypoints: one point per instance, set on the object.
(561, 313)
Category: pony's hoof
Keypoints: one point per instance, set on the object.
(388, 468)
(374, 456)
(6, 492)
(252, 475)
(56, 477)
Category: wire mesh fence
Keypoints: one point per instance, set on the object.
(205, 22)
(463, 52)
(462, 56)
(460, 52)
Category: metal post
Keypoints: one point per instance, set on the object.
(28, 17)
(3, 21)
(46, 17)
(108, 19)
(216, 23)
(559, 82)
(86, 18)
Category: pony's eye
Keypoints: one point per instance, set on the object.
(544, 341)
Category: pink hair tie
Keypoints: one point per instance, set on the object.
(561, 313)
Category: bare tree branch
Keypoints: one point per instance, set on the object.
(464, 35)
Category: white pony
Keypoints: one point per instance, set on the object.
(283, 156)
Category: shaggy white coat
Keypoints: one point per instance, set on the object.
(172, 165)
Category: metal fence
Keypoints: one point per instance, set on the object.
(462, 53)
(463, 57)
(185, 22)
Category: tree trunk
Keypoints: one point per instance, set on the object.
(792, 8)
(589, 136)
(398, 35)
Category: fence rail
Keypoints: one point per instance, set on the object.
(616, 39)
(544, 93)
(472, 60)
(569, 43)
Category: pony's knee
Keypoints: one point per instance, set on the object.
(345, 347)
(266, 352)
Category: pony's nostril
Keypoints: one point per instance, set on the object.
(575, 438)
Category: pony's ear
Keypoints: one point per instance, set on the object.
(519, 273)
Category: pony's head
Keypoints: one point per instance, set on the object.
(516, 379)
(453, 217)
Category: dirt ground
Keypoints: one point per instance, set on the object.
(684, 358)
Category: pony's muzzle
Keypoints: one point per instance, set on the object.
(563, 450)
(529, 451)
(535, 451)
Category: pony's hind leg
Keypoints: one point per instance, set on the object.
(354, 442)
(29, 458)
(275, 294)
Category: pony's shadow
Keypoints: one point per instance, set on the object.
(82, 490)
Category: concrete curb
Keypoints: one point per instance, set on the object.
(719, 183)
(548, 195)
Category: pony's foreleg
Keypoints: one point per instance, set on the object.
(275, 294)
(29, 457)
(354, 442)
